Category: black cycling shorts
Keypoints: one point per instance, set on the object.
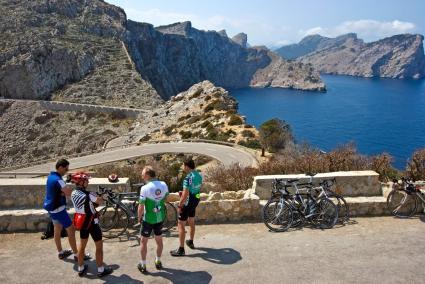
(148, 228)
(189, 211)
(94, 230)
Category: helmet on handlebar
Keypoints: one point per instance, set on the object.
(113, 178)
(79, 177)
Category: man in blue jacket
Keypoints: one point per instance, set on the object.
(55, 204)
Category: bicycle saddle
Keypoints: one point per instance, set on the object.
(311, 174)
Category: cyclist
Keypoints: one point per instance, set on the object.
(55, 204)
(151, 214)
(86, 220)
(187, 207)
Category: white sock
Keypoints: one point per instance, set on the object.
(158, 259)
(81, 268)
(143, 262)
(61, 252)
(100, 269)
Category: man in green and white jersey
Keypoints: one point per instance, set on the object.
(151, 213)
(187, 207)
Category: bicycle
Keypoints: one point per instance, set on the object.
(120, 212)
(343, 208)
(293, 210)
(403, 200)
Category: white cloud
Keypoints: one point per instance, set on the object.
(368, 30)
(259, 32)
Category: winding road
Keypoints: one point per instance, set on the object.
(227, 155)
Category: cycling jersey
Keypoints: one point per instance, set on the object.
(153, 196)
(54, 201)
(192, 183)
(79, 199)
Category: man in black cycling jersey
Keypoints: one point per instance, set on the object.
(85, 203)
(187, 207)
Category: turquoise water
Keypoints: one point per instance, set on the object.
(378, 115)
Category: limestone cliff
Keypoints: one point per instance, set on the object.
(399, 56)
(48, 45)
(87, 51)
(174, 57)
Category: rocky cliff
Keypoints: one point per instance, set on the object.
(87, 51)
(48, 45)
(176, 56)
(399, 56)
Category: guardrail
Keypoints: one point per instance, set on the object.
(68, 106)
(86, 153)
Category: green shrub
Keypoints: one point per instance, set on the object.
(169, 130)
(416, 165)
(247, 134)
(275, 134)
(250, 143)
(216, 105)
(185, 134)
(235, 120)
(183, 117)
(194, 119)
(206, 124)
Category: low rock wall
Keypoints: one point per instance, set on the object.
(350, 183)
(27, 193)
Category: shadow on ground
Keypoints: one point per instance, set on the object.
(183, 276)
(224, 256)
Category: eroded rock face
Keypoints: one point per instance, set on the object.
(241, 39)
(49, 45)
(176, 56)
(399, 56)
(89, 50)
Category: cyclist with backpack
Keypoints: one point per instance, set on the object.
(55, 204)
(87, 222)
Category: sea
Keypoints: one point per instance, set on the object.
(377, 115)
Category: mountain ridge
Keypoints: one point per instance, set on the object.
(75, 50)
(399, 56)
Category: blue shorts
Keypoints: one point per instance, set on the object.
(62, 218)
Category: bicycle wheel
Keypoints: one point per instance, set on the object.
(343, 208)
(277, 215)
(170, 217)
(114, 221)
(401, 204)
(327, 214)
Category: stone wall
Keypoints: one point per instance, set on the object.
(27, 193)
(228, 206)
(350, 183)
(214, 207)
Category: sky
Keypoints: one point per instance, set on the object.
(279, 22)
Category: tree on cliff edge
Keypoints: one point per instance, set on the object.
(275, 134)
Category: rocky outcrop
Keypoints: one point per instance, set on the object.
(176, 56)
(29, 132)
(399, 56)
(71, 46)
(204, 111)
(87, 51)
(241, 39)
(288, 74)
(311, 44)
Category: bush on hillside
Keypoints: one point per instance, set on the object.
(416, 165)
(275, 134)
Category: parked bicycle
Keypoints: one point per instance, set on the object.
(285, 210)
(343, 208)
(404, 199)
(120, 212)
